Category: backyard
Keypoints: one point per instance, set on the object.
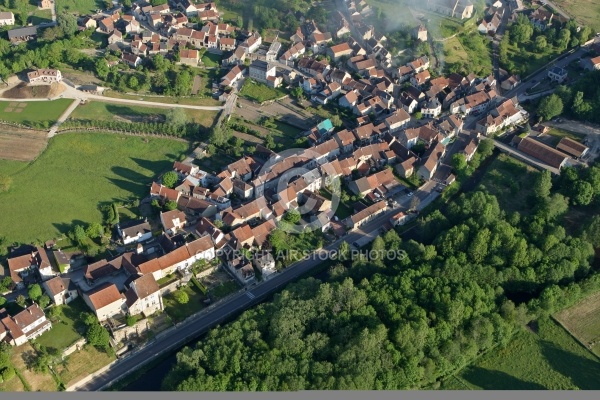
(66, 325)
(81, 7)
(33, 113)
(74, 175)
(177, 311)
(259, 92)
(542, 356)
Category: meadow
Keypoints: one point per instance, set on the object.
(583, 321)
(77, 173)
(33, 113)
(258, 92)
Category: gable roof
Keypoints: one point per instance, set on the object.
(104, 295)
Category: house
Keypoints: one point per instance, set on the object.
(557, 74)
(134, 231)
(44, 76)
(355, 221)
(252, 43)
(383, 180)
(232, 76)
(345, 140)
(398, 219)
(349, 100)
(264, 262)
(511, 82)
(22, 34)
(189, 57)
(7, 18)
(420, 78)
(106, 25)
(45, 4)
(431, 109)
(425, 133)
(419, 65)
(542, 18)
(262, 70)
(65, 260)
(226, 44)
(172, 221)
(397, 120)
(143, 296)
(133, 26)
(543, 152)
(26, 325)
(241, 268)
(339, 50)
(60, 290)
(490, 24)
(500, 117)
(163, 193)
(572, 147)
(115, 37)
(28, 260)
(433, 157)
(105, 301)
(461, 9)
(470, 149)
(131, 59)
(591, 64)
(420, 33)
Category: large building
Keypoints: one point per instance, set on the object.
(44, 76)
(542, 152)
(264, 72)
(7, 18)
(26, 325)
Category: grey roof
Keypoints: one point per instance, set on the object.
(19, 32)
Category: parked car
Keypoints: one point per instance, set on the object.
(410, 194)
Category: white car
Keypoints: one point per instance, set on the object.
(410, 194)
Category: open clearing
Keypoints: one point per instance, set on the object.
(101, 111)
(583, 321)
(76, 173)
(80, 6)
(549, 359)
(259, 93)
(21, 144)
(21, 359)
(25, 91)
(82, 363)
(586, 12)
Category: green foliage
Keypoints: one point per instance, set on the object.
(169, 179)
(34, 292)
(543, 184)
(181, 296)
(21, 301)
(170, 205)
(94, 230)
(550, 107)
(130, 320)
(5, 284)
(582, 193)
(98, 336)
(591, 232)
(176, 116)
(43, 301)
(200, 286)
(67, 23)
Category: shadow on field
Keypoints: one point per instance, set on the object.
(156, 167)
(498, 380)
(584, 373)
(65, 228)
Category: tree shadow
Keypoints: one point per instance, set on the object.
(156, 166)
(28, 358)
(64, 228)
(584, 372)
(132, 187)
(497, 380)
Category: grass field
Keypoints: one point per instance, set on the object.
(586, 12)
(547, 359)
(211, 60)
(179, 312)
(258, 92)
(39, 16)
(33, 112)
(76, 173)
(65, 326)
(510, 181)
(82, 363)
(79, 6)
(102, 111)
(21, 359)
(454, 51)
(583, 321)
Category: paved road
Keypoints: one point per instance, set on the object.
(63, 118)
(219, 312)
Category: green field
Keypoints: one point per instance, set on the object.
(179, 312)
(210, 60)
(102, 111)
(583, 321)
(33, 112)
(76, 173)
(80, 6)
(510, 181)
(65, 326)
(454, 51)
(545, 357)
(258, 92)
(586, 12)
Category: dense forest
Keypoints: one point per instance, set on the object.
(582, 100)
(406, 323)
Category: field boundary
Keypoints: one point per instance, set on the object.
(113, 131)
(559, 323)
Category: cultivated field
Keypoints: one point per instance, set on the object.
(545, 357)
(76, 173)
(586, 12)
(25, 91)
(583, 321)
(21, 144)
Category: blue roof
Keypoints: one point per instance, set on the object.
(325, 126)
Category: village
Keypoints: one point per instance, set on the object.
(406, 127)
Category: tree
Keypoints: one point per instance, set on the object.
(297, 92)
(562, 41)
(581, 108)
(21, 301)
(35, 292)
(177, 117)
(170, 205)
(269, 142)
(181, 296)
(100, 66)
(591, 233)
(98, 336)
(219, 135)
(336, 121)
(459, 162)
(486, 148)
(418, 115)
(2, 301)
(543, 184)
(158, 2)
(43, 301)
(169, 179)
(540, 43)
(292, 216)
(133, 82)
(67, 23)
(344, 251)
(582, 193)
(550, 107)
(78, 233)
(94, 230)
(130, 320)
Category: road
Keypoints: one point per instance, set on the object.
(498, 37)
(63, 118)
(220, 312)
